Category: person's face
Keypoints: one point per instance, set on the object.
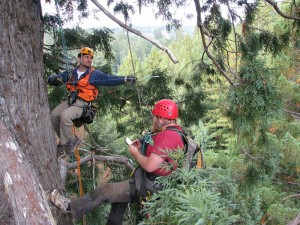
(156, 124)
(86, 60)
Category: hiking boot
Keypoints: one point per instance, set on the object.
(60, 201)
(71, 145)
(61, 149)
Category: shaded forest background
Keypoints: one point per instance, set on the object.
(247, 123)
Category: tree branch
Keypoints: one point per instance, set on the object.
(202, 32)
(292, 196)
(65, 166)
(98, 147)
(134, 31)
(293, 114)
(116, 159)
(296, 221)
(275, 6)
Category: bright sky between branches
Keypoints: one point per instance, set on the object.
(98, 19)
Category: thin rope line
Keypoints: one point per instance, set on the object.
(63, 39)
(133, 68)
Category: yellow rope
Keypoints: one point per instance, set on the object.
(76, 153)
(81, 193)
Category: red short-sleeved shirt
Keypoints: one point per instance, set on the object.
(164, 142)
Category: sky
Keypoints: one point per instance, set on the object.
(92, 22)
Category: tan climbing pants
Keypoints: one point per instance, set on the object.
(62, 119)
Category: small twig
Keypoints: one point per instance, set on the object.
(291, 196)
(293, 114)
(250, 156)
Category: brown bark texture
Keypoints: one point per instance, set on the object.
(21, 193)
(29, 167)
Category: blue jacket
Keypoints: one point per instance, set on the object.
(98, 78)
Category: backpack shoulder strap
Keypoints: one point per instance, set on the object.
(182, 135)
(146, 139)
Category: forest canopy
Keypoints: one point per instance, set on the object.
(236, 83)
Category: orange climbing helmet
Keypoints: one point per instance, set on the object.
(166, 108)
(86, 51)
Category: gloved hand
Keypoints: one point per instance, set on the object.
(130, 79)
(55, 81)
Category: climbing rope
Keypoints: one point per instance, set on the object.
(133, 68)
(63, 39)
(79, 180)
(81, 193)
(76, 153)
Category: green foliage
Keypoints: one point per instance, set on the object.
(254, 102)
(104, 132)
(271, 42)
(216, 24)
(248, 130)
(290, 162)
(124, 8)
(281, 213)
(190, 197)
(289, 91)
(251, 9)
(158, 88)
(124, 44)
(278, 209)
(193, 108)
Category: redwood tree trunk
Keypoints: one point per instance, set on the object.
(28, 155)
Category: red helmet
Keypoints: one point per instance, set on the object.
(166, 108)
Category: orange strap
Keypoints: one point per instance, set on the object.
(199, 164)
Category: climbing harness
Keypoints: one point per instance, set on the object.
(83, 89)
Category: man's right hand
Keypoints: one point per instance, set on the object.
(137, 143)
(55, 81)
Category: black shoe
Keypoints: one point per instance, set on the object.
(61, 149)
(71, 145)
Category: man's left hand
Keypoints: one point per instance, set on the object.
(130, 79)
